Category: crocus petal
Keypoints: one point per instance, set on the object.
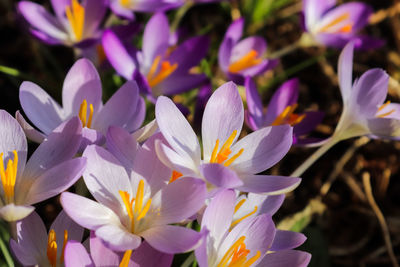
(286, 258)
(55, 180)
(220, 175)
(105, 177)
(30, 132)
(119, 108)
(146, 255)
(138, 116)
(310, 121)
(118, 238)
(176, 129)
(285, 240)
(201, 250)
(180, 200)
(12, 213)
(39, 18)
(122, 145)
(171, 239)
(121, 11)
(244, 46)
(218, 214)
(232, 36)
(271, 185)
(95, 11)
(385, 127)
(155, 39)
(285, 96)
(12, 138)
(370, 91)
(235, 30)
(101, 255)
(91, 136)
(75, 254)
(314, 9)
(178, 83)
(62, 144)
(39, 107)
(271, 204)
(86, 212)
(117, 55)
(59, 7)
(345, 71)
(254, 103)
(223, 114)
(146, 131)
(82, 82)
(32, 240)
(262, 148)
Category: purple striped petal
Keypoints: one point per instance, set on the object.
(116, 237)
(30, 132)
(286, 258)
(75, 254)
(285, 240)
(254, 104)
(146, 255)
(220, 176)
(271, 185)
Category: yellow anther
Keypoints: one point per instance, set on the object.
(239, 204)
(236, 256)
(137, 212)
(244, 217)
(166, 69)
(125, 3)
(288, 116)
(175, 176)
(249, 60)
(76, 17)
(8, 176)
(126, 258)
(229, 161)
(339, 19)
(386, 113)
(384, 105)
(52, 248)
(225, 151)
(83, 114)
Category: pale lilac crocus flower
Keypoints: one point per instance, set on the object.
(225, 162)
(335, 26)
(36, 247)
(74, 23)
(281, 110)
(240, 58)
(76, 255)
(159, 68)
(125, 8)
(247, 243)
(128, 209)
(81, 96)
(49, 171)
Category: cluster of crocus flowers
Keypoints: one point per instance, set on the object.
(240, 58)
(74, 23)
(159, 69)
(336, 26)
(281, 110)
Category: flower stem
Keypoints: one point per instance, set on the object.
(314, 157)
(180, 14)
(284, 51)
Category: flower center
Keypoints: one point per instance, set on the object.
(76, 17)
(223, 154)
(236, 256)
(288, 117)
(52, 247)
(175, 176)
(126, 258)
(137, 212)
(8, 176)
(83, 114)
(165, 70)
(344, 29)
(237, 207)
(386, 113)
(249, 60)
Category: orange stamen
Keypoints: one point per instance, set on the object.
(225, 151)
(236, 256)
(166, 69)
(288, 117)
(249, 60)
(83, 114)
(386, 113)
(126, 258)
(76, 16)
(339, 19)
(9, 176)
(244, 217)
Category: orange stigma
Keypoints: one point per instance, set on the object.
(83, 114)
(288, 117)
(223, 154)
(344, 29)
(175, 176)
(76, 17)
(9, 176)
(236, 256)
(166, 69)
(249, 60)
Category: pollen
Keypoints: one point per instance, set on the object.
(76, 17)
(165, 69)
(9, 176)
(222, 156)
(86, 122)
(52, 247)
(237, 255)
(249, 60)
(134, 207)
(288, 117)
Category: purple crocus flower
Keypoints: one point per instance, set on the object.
(36, 247)
(128, 209)
(238, 59)
(364, 110)
(280, 111)
(125, 8)
(247, 243)
(145, 255)
(49, 171)
(159, 69)
(81, 97)
(225, 163)
(74, 23)
(335, 26)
